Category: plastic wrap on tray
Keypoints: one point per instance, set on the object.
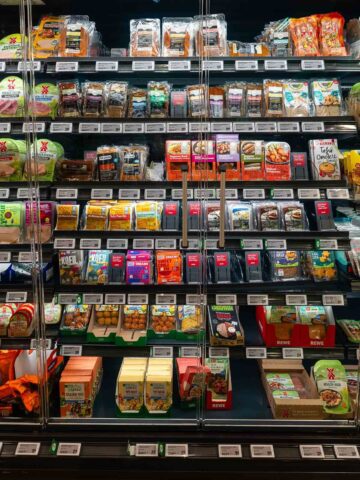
(177, 37)
(145, 37)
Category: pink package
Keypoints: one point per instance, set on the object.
(139, 267)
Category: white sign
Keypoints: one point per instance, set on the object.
(111, 128)
(129, 194)
(229, 451)
(16, 297)
(346, 451)
(276, 244)
(296, 299)
(93, 298)
(101, 193)
(179, 65)
(211, 244)
(57, 127)
(5, 127)
(165, 299)
(176, 194)
(190, 352)
(66, 66)
(312, 64)
(223, 127)
(2, 66)
(155, 127)
(205, 193)
(288, 127)
(282, 193)
(27, 448)
(246, 65)
(90, 243)
(265, 127)
(177, 127)
(219, 352)
(89, 127)
(117, 243)
(138, 298)
(115, 299)
(4, 193)
(333, 299)
(101, 66)
(262, 451)
(162, 352)
(311, 451)
(253, 193)
(155, 194)
(328, 244)
(26, 257)
(337, 193)
(240, 127)
(71, 350)
(66, 193)
(275, 65)
(291, 353)
(198, 127)
(226, 300)
(230, 193)
(68, 449)
(256, 352)
(68, 298)
(38, 127)
(309, 127)
(252, 243)
(308, 193)
(143, 244)
(5, 257)
(213, 65)
(133, 128)
(256, 299)
(143, 65)
(176, 450)
(35, 66)
(146, 450)
(192, 299)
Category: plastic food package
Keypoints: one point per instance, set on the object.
(11, 222)
(285, 265)
(212, 216)
(12, 159)
(224, 325)
(133, 160)
(177, 154)
(145, 37)
(240, 216)
(71, 266)
(46, 99)
(178, 103)
(293, 216)
(6, 312)
(331, 35)
(46, 39)
(197, 100)
(95, 217)
(121, 216)
(163, 318)
(52, 313)
(351, 329)
(139, 267)
(154, 172)
(137, 107)
(11, 46)
(97, 271)
(11, 97)
(75, 36)
(252, 160)
(331, 381)
(76, 317)
(211, 35)
(168, 267)
(327, 97)
(203, 160)
(148, 215)
(21, 321)
(267, 215)
(304, 35)
(277, 161)
(296, 98)
(321, 265)
(75, 170)
(177, 37)
(135, 317)
(158, 99)
(254, 100)
(116, 99)
(325, 159)
(274, 102)
(106, 315)
(67, 217)
(108, 160)
(44, 155)
(216, 102)
(70, 99)
(190, 318)
(235, 94)
(316, 320)
(283, 319)
(93, 99)
(46, 216)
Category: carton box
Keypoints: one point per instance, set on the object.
(203, 160)
(284, 329)
(320, 331)
(252, 160)
(76, 396)
(130, 388)
(228, 154)
(102, 333)
(219, 386)
(177, 153)
(158, 388)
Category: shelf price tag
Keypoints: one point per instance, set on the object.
(179, 65)
(327, 244)
(129, 194)
(38, 127)
(115, 299)
(177, 127)
(16, 297)
(226, 300)
(312, 451)
(146, 450)
(176, 194)
(155, 194)
(213, 65)
(93, 298)
(337, 193)
(71, 350)
(176, 450)
(211, 244)
(190, 352)
(155, 127)
(219, 352)
(308, 193)
(5, 127)
(133, 128)
(66, 66)
(253, 193)
(230, 193)
(143, 65)
(2, 66)
(199, 127)
(223, 127)
(4, 193)
(333, 299)
(257, 299)
(205, 193)
(143, 243)
(117, 243)
(165, 299)
(101, 66)
(111, 128)
(282, 193)
(276, 244)
(256, 352)
(346, 451)
(193, 244)
(312, 64)
(69, 449)
(5, 257)
(27, 448)
(251, 243)
(101, 193)
(57, 127)
(275, 65)
(90, 243)
(240, 127)
(66, 193)
(29, 65)
(262, 451)
(138, 298)
(162, 352)
(288, 127)
(292, 353)
(24, 193)
(229, 451)
(89, 127)
(68, 298)
(246, 65)
(265, 127)
(192, 299)
(313, 127)
(296, 299)
(26, 257)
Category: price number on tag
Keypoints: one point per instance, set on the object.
(346, 451)
(16, 297)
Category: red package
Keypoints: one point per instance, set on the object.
(331, 35)
(169, 266)
(304, 35)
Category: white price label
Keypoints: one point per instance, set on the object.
(27, 448)
(192, 299)
(309, 127)
(333, 299)
(143, 244)
(311, 451)
(211, 244)
(2, 66)
(26, 257)
(146, 450)
(256, 352)
(155, 194)
(102, 66)
(117, 243)
(229, 451)
(111, 128)
(4, 193)
(176, 450)
(327, 244)
(35, 66)
(256, 299)
(68, 449)
(57, 127)
(143, 65)
(230, 193)
(252, 244)
(71, 350)
(179, 65)
(45, 342)
(240, 127)
(101, 193)
(68, 298)
(193, 244)
(155, 127)
(213, 65)
(288, 127)
(293, 353)
(162, 352)
(226, 300)
(262, 451)
(312, 64)
(165, 299)
(90, 243)
(223, 127)
(282, 193)
(264, 127)
(308, 193)
(89, 127)
(190, 352)
(5, 257)
(337, 193)
(5, 127)
(205, 193)
(199, 127)
(16, 297)
(346, 451)
(66, 193)
(66, 66)
(296, 299)
(176, 194)
(219, 352)
(275, 65)
(38, 127)
(129, 194)
(23, 193)
(93, 298)
(64, 243)
(246, 65)
(177, 127)
(276, 244)
(115, 299)
(253, 193)
(133, 128)
(138, 299)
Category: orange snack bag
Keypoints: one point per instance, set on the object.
(304, 35)
(331, 35)
(169, 266)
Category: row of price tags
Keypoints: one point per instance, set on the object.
(308, 451)
(33, 449)
(152, 450)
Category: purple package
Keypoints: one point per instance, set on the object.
(139, 267)
(228, 153)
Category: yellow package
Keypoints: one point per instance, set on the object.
(47, 37)
(67, 217)
(96, 217)
(148, 215)
(121, 216)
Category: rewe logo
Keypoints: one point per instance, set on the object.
(11, 84)
(45, 89)
(330, 374)
(3, 147)
(12, 40)
(44, 147)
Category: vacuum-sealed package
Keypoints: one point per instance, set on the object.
(321, 265)
(210, 35)
(235, 93)
(296, 98)
(75, 36)
(12, 159)
(145, 37)
(137, 105)
(325, 159)
(285, 265)
(11, 222)
(327, 98)
(331, 35)
(177, 37)
(46, 100)
(293, 216)
(254, 100)
(148, 215)
(267, 215)
(197, 100)
(277, 161)
(178, 103)
(75, 170)
(168, 266)
(273, 98)
(240, 216)
(216, 102)
(44, 155)
(133, 161)
(304, 35)
(95, 217)
(116, 99)
(44, 215)
(139, 267)
(108, 160)
(331, 382)
(71, 266)
(70, 98)
(67, 217)
(93, 99)
(158, 99)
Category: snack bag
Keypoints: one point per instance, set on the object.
(11, 46)
(11, 222)
(133, 161)
(273, 93)
(108, 160)
(177, 37)
(137, 106)
(47, 37)
(331, 381)
(71, 263)
(277, 161)
(97, 267)
(11, 97)
(46, 99)
(331, 35)
(70, 99)
(304, 35)
(168, 266)
(96, 217)
(145, 37)
(158, 99)
(121, 216)
(11, 160)
(93, 96)
(211, 35)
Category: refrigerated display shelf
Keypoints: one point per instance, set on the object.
(17, 290)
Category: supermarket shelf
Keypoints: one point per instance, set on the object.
(21, 292)
(20, 190)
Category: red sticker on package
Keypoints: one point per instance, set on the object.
(323, 208)
(171, 209)
(193, 260)
(252, 259)
(221, 260)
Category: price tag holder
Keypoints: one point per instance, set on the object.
(29, 65)
(179, 65)
(5, 257)
(223, 127)
(129, 194)
(190, 352)
(256, 352)
(312, 64)
(68, 449)
(16, 297)
(66, 66)
(313, 127)
(296, 299)
(89, 128)
(265, 127)
(2, 66)
(27, 448)
(4, 193)
(288, 127)
(23, 193)
(177, 127)
(219, 352)
(138, 299)
(199, 127)
(248, 65)
(143, 65)
(282, 193)
(146, 450)
(38, 127)
(257, 299)
(176, 450)
(311, 451)
(57, 127)
(115, 299)
(275, 65)
(262, 451)
(213, 65)
(211, 244)
(165, 299)
(155, 194)
(226, 299)
(346, 451)
(68, 298)
(101, 193)
(229, 451)
(71, 350)
(66, 193)
(327, 244)
(308, 193)
(133, 128)
(176, 194)
(276, 244)
(192, 299)
(252, 243)
(230, 193)
(333, 299)
(241, 127)
(337, 193)
(117, 244)
(90, 243)
(292, 353)
(162, 352)
(93, 298)
(5, 127)
(25, 257)
(193, 244)
(143, 244)
(254, 193)
(205, 193)
(102, 66)
(111, 128)
(155, 127)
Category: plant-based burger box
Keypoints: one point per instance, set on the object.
(224, 326)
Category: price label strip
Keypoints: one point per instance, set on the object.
(93, 298)
(262, 451)
(291, 353)
(190, 352)
(117, 244)
(58, 127)
(5, 257)
(179, 65)
(133, 128)
(66, 66)
(333, 299)
(155, 127)
(90, 243)
(66, 193)
(89, 128)
(252, 244)
(312, 64)
(177, 127)
(346, 451)
(111, 128)
(176, 450)
(146, 450)
(313, 127)
(265, 127)
(311, 451)
(219, 352)
(308, 193)
(240, 127)
(16, 297)
(296, 299)
(101, 66)
(71, 350)
(162, 352)
(337, 193)
(115, 299)
(257, 299)
(282, 193)
(129, 194)
(138, 299)
(68, 298)
(256, 352)
(253, 193)
(68, 449)
(143, 243)
(155, 194)
(288, 127)
(213, 65)
(192, 299)
(5, 127)
(28, 448)
(101, 193)
(165, 299)
(223, 127)
(229, 451)
(199, 127)
(276, 244)
(251, 65)
(275, 65)
(143, 65)
(327, 244)
(226, 300)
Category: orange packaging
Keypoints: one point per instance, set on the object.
(177, 153)
(203, 160)
(169, 266)
(75, 390)
(304, 35)
(331, 35)
(47, 37)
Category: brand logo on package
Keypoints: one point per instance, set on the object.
(330, 374)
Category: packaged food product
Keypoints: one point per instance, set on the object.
(178, 103)
(235, 94)
(228, 154)
(273, 95)
(296, 98)
(75, 170)
(283, 319)
(190, 318)
(11, 46)
(192, 379)
(216, 102)
(11, 222)
(252, 160)
(203, 160)
(218, 384)
(285, 265)
(145, 37)
(321, 265)
(163, 318)
(331, 381)
(11, 97)
(197, 100)
(277, 161)
(304, 35)
(293, 216)
(21, 321)
(121, 216)
(148, 215)
(106, 315)
(47, 37)
(158, 99)
(352, 380)
(130, 386)
(76, 317)
(351, 329)
(93, 99)
(253, 266)
(11, 160)
(6, 312)
(325, 159)
(331, 34)
(108, 160)
(95, 217)
(46, 99)
(224, 325)
(254, 100)
(168, 266)
(45, 216)
(52, 313)
(71, 265)
(67, 217)
(116, 99)
(177, 37)
(117, 268)
(327, 97)
(159, 385)
(323, 215)
(194, 263)
(268, 217)
(240, 216)
(137, 106)
(97, 267)
(139, 267)
(133, 160)
(211, 35)
(135, 317)
(316, 319)
(44, 154)
(75, 36)
(177, 154)
(171, 215)
(212, 215)
(299, 166)
(70, 99)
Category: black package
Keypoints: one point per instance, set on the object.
(299, 166)
(194, 216)
(222, 268)
(193, 267)
(253, 267)
(324, 216)
(171, 216)
(224, 325)
(117, 268)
